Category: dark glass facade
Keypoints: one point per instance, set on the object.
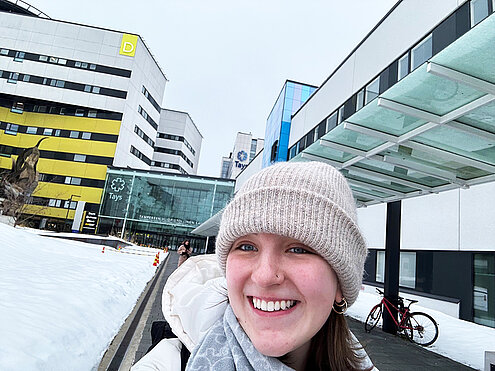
(159, 209)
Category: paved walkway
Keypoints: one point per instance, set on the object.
(156, 308)
(387, 352)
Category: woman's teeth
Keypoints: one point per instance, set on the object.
(271, 306)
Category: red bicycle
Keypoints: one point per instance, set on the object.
(420, 328)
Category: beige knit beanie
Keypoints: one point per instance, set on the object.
(308, 201)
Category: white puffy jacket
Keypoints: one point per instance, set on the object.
(194, 298)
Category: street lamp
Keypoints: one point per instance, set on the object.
(68, 208)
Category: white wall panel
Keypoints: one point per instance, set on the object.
(431, 222)
(478, 218)
(372, 222)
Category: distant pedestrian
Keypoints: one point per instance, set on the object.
(184, 251)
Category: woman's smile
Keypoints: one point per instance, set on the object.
(280, 290)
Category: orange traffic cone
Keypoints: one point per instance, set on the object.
(157, 260)
(103, 251)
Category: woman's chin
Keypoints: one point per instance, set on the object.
(270, 349)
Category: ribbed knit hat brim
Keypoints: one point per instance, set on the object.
(310, 202)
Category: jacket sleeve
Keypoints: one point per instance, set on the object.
(165, 356)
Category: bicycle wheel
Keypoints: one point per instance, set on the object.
(373, 317)
(424, 329)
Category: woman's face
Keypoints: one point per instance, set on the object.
(281, 291)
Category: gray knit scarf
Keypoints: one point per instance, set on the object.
(226, 347)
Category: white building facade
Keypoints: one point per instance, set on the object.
(178, 143)
(397, 104)
(246, 148)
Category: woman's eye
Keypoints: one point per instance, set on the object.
(299, 250)
(247, 247)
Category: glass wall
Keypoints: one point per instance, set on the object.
(407, 270)
(159, 209)
(291, 98)
(484, 289)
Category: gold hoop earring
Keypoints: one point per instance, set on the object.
(340, 307)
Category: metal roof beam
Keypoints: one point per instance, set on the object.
(343, 148)
(453, 75)
(375, 187)
(427, 170)
(311, 157)
(451, 156)
(465, 109)
(391, 178)
(471, 130)
(408, 110)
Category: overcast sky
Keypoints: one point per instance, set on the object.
(227, 60)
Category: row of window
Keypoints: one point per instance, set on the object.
(453, 27)
(174, 152)
(143, 136)
(167, 165)
(19, 56)
(178, 138)
(151, 99)
(8, 151)
(20, 104)
(14, 77)
(53, 202)
(147, 117)
(61, 179)
(13, 129)
(136, 152)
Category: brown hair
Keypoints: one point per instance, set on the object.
(333, 348)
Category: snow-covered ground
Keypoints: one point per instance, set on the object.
(62, 302)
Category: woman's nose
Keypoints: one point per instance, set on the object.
(267, 271)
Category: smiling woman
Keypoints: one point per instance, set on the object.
(293, 257)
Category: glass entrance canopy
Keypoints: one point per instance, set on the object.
(432, 131)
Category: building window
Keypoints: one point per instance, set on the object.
(96, 90)
(79, 158)
(360, 100)
(43, 58)
(74, 134)
(87, 88)
(13, 77)
(11, 129)
(4, 51)
(331, 122)
(340, 116)
(31, 130)
(484, 289)
(407, 270)
(273, 154)
(372, 90)
(86, 135)
(47, 131)
(421, 52)
(92, 113)
(479, 11)
(380, 266)
(17, 107)
(79, 112)
(403, 69)
(19, 56)
(26, 78)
